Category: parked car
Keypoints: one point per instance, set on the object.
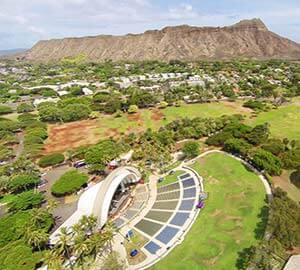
(79, 164)
(42, 183)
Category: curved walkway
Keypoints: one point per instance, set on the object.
(264, 180)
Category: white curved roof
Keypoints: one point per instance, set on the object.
(97, 199)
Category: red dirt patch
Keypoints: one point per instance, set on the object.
(71, 135)
(157, 115)
(134, 117)
(112, 133)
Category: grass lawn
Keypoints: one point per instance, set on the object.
(136, 242)
(229, 223)
(284, 121)
(170, 178)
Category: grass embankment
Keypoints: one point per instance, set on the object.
(170, 178)
(230, 221)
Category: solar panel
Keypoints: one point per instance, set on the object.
(191, 192)
(168, 196)
(184, 175)
(166, 205)
(170, 187)
(188, 182)
(161, 216)
(167, 234)
(152, 247)
(179, 219)
(187, 205)
(148, 227)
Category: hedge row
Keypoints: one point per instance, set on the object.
(68, 183)
(51, 160)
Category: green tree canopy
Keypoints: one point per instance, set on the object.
(69, 182)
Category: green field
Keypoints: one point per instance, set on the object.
(284, 121)
(229, 222)
(155, 118)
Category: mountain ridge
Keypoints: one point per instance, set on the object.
(247, 38)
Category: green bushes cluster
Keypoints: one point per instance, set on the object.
(26, 200)
(18, 256)
(5, 109)
(68, 183)
(25, 108)
(35, 134)
(51, 160)
(255, 105)
(22, 182)
(67, 110)
(254, 144)
(12, 225)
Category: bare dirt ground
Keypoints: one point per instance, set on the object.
(71, 135)
(134, 117)
(157, 115)
(237, 106)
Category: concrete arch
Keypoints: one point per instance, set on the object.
(105, 194)
(97, 199)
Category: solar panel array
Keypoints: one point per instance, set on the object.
(169, 213)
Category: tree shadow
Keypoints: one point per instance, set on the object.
(243, 258)
(295, 178)
(261, 226)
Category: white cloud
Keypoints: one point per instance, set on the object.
(24, 22)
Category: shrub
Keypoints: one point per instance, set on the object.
(133, 109)
(191, 149)
(22, 182)
(254, 105)
(26, 200)
(68, 183)
(24, 108)
(5, 109)
(51, 160)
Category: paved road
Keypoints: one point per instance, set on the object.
(63, 210)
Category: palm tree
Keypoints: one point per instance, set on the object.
(63, 244)
(77, 229)
(80, 247)
(95, 243)
(36, 238)
(37, 217)
(53, 260)
(88, 223)
(52, 204)
(109, 233)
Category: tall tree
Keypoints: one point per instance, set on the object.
(53, 260)
(64, 243)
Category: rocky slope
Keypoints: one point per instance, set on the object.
(248, 38)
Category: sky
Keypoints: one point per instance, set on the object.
(24, 22)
